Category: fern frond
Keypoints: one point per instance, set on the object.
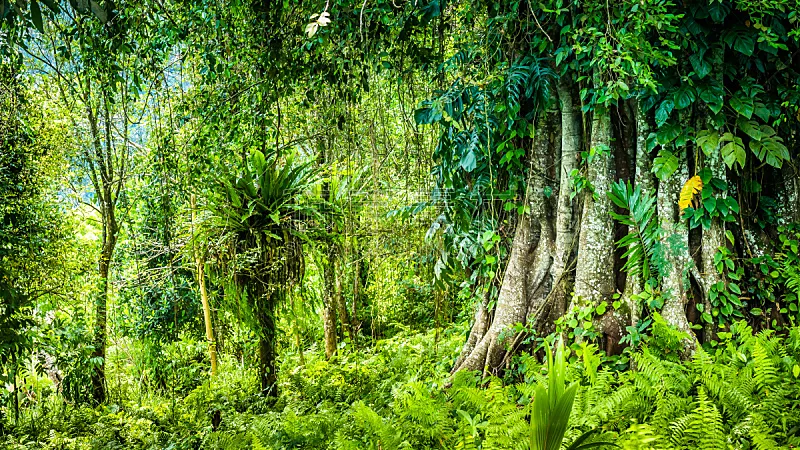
(701, 428)
(643, 437)
(765, 373)
(644, 233)
(760, 433)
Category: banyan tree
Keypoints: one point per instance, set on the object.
(636, 155)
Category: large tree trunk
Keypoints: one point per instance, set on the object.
(788, 195)
(527, 281)
(480, 324)
(511, 303)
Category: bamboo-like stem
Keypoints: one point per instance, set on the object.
(201, 283)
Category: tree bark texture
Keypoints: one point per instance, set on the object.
(566, 206)
(643, 178)
(594, 272)
(676, 250)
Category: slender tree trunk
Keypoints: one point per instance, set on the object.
(566, 206)
(328, 311)
(267, 367)
(108, 182)
(356, 294)
(329, 326)
(201, 283)
(341, 305)
(594, 272)
(109, 238)
(101, 302)
(643, 178)
(676, 250)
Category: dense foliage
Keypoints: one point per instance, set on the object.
(399, 224)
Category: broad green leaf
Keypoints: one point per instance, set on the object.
(719, 184)
(665, 164)
(723, 208)
(733, 205)
(684, 97)
(651, 142)
(423, 116)
(744, 43)
(733, 152)
(705, 176)
(767, 131)
(761, 111)
(743, 106)
(718, 11)
(712, 94)
(750, 127)
(468, 161)
(663, 111)
(668, 133)
(700, 65)
(710, 204)
(770, 150)
(259, 161)
(708, 140)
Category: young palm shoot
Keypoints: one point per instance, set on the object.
(552, 406)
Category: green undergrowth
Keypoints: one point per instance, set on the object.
(399, 395)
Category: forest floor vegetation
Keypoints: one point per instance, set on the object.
(398, 394)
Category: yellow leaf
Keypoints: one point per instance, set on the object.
(692, 186)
